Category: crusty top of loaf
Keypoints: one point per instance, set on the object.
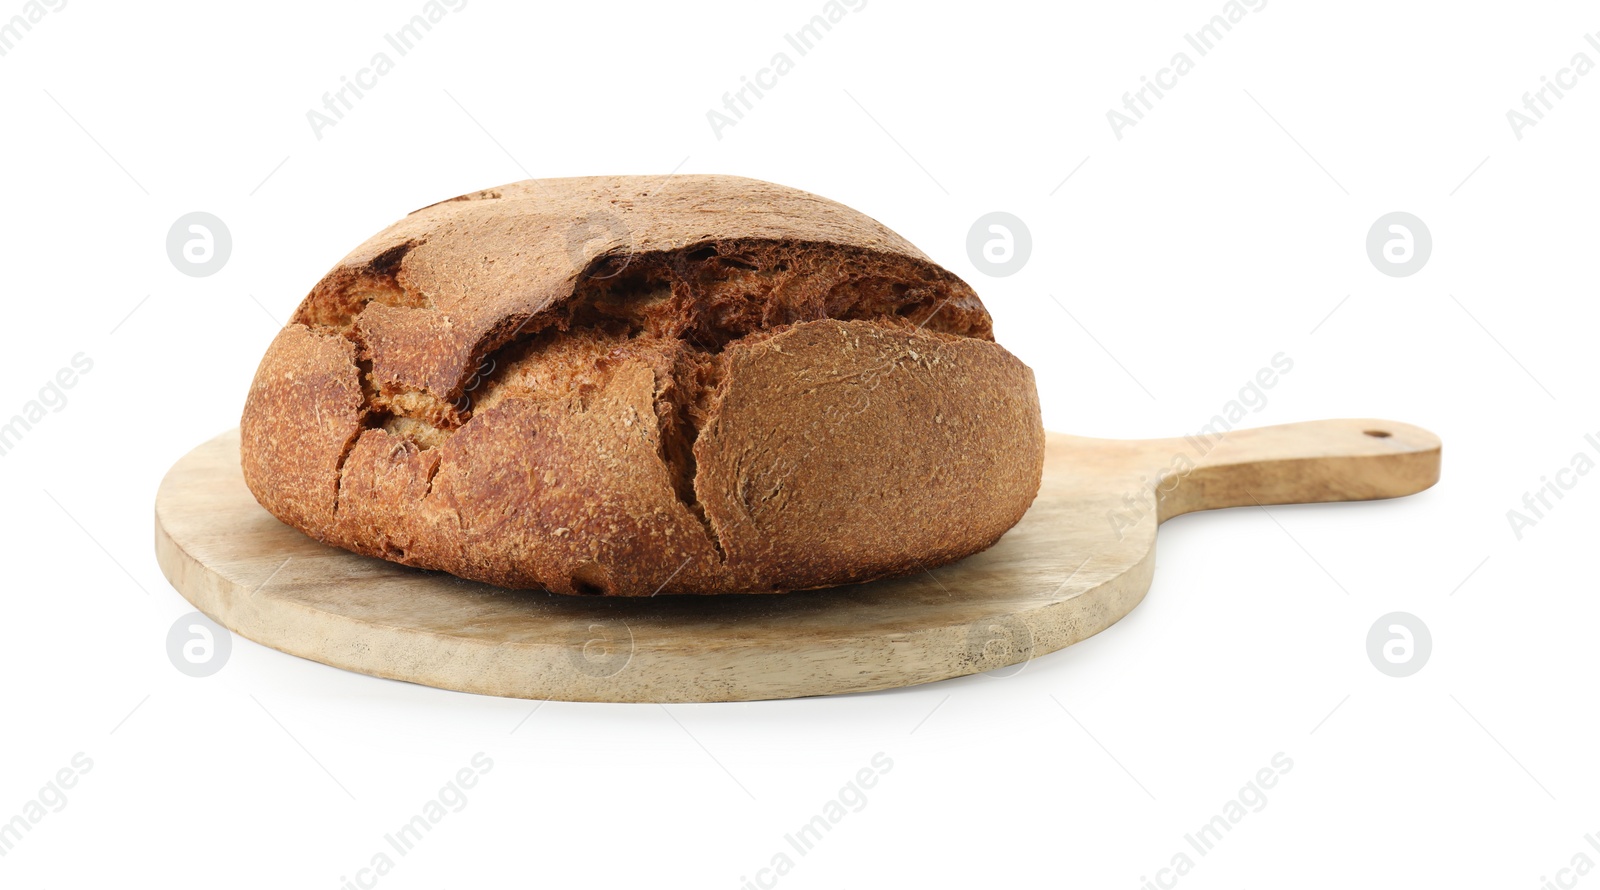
(457, 279)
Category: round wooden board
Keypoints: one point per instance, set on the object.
(1078, 561)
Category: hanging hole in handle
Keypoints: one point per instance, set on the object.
(1378, 434)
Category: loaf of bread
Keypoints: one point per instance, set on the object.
(630, 386)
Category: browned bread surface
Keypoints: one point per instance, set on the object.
(630, 385)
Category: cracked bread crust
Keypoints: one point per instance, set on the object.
(626, 385)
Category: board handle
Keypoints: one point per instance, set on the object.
(1299, 463)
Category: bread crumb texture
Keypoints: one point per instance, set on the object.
(627, 386)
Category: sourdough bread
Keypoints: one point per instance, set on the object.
(627, 386)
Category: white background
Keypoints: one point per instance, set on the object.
(1226, 227)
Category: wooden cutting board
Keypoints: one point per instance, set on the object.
(1077, 562)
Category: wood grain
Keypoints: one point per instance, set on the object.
(1078, 561)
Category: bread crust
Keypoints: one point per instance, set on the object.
(628, 386)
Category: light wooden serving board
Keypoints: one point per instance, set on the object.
(1077, 562)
